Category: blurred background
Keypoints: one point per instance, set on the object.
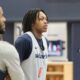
(63, 31)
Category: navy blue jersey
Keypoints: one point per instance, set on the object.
(24, 46)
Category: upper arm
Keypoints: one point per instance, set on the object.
(13, 66)
(20, 46)
(24, 47)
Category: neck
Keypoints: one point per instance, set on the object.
(37, 34)
(1, 37)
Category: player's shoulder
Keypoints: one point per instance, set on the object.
(7, 49)
(23, 38)
(5, 44)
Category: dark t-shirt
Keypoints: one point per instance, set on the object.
(24, 46)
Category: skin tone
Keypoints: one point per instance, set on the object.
(40, 25)
(2, 20)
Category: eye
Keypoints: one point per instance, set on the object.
(43, 18)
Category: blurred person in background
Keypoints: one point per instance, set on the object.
(32, 45)
(9, 58)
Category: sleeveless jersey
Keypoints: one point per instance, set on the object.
(35, 66)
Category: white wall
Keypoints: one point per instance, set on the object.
(17, 30)
(58, 31)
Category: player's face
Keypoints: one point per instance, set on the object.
(41, 22)
(2, 21)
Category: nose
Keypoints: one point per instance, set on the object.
(45, 21)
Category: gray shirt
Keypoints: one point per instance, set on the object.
(9, 60)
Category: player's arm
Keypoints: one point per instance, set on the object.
(13, 65)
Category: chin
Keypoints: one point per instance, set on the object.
(45, 31)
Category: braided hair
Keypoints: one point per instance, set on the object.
(30, 18)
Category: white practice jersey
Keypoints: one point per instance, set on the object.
(35, 66)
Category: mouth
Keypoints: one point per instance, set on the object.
(45, 26)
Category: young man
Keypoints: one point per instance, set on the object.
(9, 58)
(32, 45)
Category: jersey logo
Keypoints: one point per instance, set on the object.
(41, 56)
